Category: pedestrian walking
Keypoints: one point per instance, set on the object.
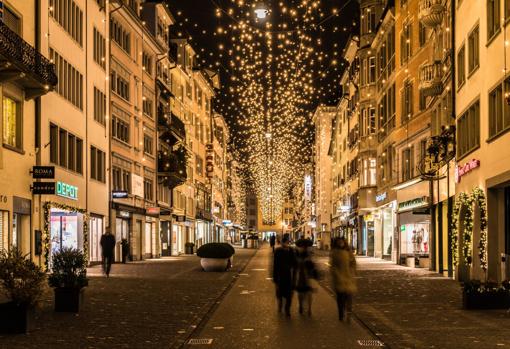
(305, 272)
(125, 250)
(343, 269)
(272, 241)
(107, 246)
(284, 268)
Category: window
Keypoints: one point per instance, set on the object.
(120, 35)
(461, 66)
(499, 110)
(422, 34)
(189, 91)
(147, 63)
(69, 16)
(99, 49)
(148, 144)
(199, 165)
(367, 121)
(66, 149)
(474, 50)
(12, 123)
(120, 84)
(99, 106)
(70, 80)
(371, 70)
(12, 21)
(407, 102)
(368, 21)
(97, 164)
(368, 172)
(407, 164)
(148, 189)
(120, 129)
(405, 43)
(121, 179)
(493, 18)
(468, 131)
(148, 106)
(507, 10)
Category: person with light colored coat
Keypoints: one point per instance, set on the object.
(343, 270)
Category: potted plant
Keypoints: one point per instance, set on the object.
(188, 247)
(215, 256)
(485, 295)
(68, 278)
(23, 283)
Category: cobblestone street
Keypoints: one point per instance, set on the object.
(414, 308)
(149, 304)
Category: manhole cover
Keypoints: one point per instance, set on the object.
(200, 341)
(370, 343)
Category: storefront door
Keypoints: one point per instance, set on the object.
(121, 232)
(95, 231)
(4, 229)
(165, 238)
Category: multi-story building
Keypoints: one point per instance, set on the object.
(26, 75)
(219, 143)
(73, 130)
(134, 51)
(252, 215)
(323, 120)
(482, 107)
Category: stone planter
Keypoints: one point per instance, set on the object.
(214, 264)
(14, 318)
(486, 300)
(68, 299)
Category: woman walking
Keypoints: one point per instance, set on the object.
(305, 271)
(343, 269)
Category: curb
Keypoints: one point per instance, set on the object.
(209, 310)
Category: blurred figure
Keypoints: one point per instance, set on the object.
(305, 271)
(284, 268)
(343, 269)
(107, 243)
(272, 241)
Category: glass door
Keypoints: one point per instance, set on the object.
(4, 229)
(148, 239)
(95, 232)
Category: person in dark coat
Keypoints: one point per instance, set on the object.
(284, 268)
(305, 271)
(272, 242)
(107, 246)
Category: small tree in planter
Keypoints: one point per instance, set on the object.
(23, 283)
(68, 278)
(216, 256)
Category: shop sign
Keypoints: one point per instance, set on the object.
(153, 211)
(119, 194)
(461, 170)
(381, 197)
(414, 203)
(227, 222)
(124, 214)
(21, 205)
(137, 185)
(308, 187)
(43, 172)
(209, 160)
(67, 190)
(180, 219)
(43, 188)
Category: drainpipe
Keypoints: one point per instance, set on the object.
(37, 134)
(454, 114)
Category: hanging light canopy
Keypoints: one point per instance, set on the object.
(261, 10)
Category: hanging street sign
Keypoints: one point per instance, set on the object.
(119, 194)
(43, 188)
(43, 172)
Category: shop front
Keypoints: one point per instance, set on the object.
(385, 226)
(414, 227)
(367, 235)
(96, 229)
(178, 235)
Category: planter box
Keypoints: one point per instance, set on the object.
(214, 264)
(14, 319)
(487, 300)
(68, 299)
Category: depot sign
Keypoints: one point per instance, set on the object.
(462, 170)
(67, 191)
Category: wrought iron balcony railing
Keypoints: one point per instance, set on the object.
(431, 75)
(430, 12)
(21, 61)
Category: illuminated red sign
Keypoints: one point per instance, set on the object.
(461, 170)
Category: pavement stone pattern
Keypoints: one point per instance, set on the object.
(416, 308)
(149, 304)
(248, 318)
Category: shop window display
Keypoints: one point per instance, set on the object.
(65, 229)
(415, 239)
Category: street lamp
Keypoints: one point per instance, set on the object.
(261, 10)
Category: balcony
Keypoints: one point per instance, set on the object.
(172, 167)
(21, 62)
(431, 79)
(172, 129)
(430, 12)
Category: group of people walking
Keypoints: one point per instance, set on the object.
(294, 270)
